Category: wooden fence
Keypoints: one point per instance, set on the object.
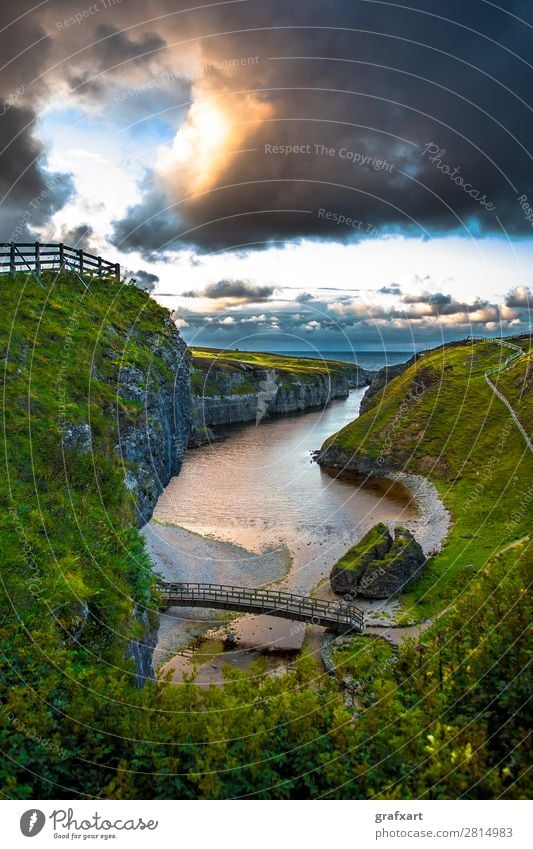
(39, 256)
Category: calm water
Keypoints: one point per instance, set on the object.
(260, 490)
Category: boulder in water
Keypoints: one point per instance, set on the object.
(378, 566)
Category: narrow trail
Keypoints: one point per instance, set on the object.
(506, 364)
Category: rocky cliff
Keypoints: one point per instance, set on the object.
(229, 391)
(152, 412)
(152, 444)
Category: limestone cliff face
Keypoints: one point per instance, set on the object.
(244, 393)
(153, 443)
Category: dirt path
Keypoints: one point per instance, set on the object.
(502, 397)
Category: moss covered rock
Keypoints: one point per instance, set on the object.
(378, 566)
(349, 570)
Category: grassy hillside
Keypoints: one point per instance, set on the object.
(516, 384)
(301, 367)
(440, 419)
(72, 563)
(450, 718)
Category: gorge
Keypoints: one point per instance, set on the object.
(97, 382)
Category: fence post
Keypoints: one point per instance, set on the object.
(12, 264)
(117, 272)
(100, 267)
(61, 255)
(80, 260)
(37, 259)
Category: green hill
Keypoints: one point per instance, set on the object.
(440, 419)
(299, 366)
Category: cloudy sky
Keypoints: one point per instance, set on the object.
(309, 174)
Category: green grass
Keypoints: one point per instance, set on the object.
(516, 384)
(362, 658)
(441, 420)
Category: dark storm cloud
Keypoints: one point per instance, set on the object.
(376, 90)
(520, 296)
(29, 194)
(20, 178)
(77, 237)
(350, 145)
(238, 290)
(114, 47)
(150, 226)
(31, 45)
(111, 58)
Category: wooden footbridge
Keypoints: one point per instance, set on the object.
(342, 619)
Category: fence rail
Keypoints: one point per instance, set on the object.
(46, 256)
(286, 605)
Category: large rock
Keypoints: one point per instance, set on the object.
(378, 566)
(389, 576)
(347, 573)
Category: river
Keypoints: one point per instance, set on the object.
(255, 509)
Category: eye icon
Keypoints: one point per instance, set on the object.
(32, 822)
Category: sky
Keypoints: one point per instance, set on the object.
(313, 175)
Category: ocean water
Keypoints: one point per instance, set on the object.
(372, 360)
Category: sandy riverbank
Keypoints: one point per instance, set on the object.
(433, 521)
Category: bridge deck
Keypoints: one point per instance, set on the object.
(271, 602)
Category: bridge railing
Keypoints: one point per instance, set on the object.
(46, 256)
(270, 600)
